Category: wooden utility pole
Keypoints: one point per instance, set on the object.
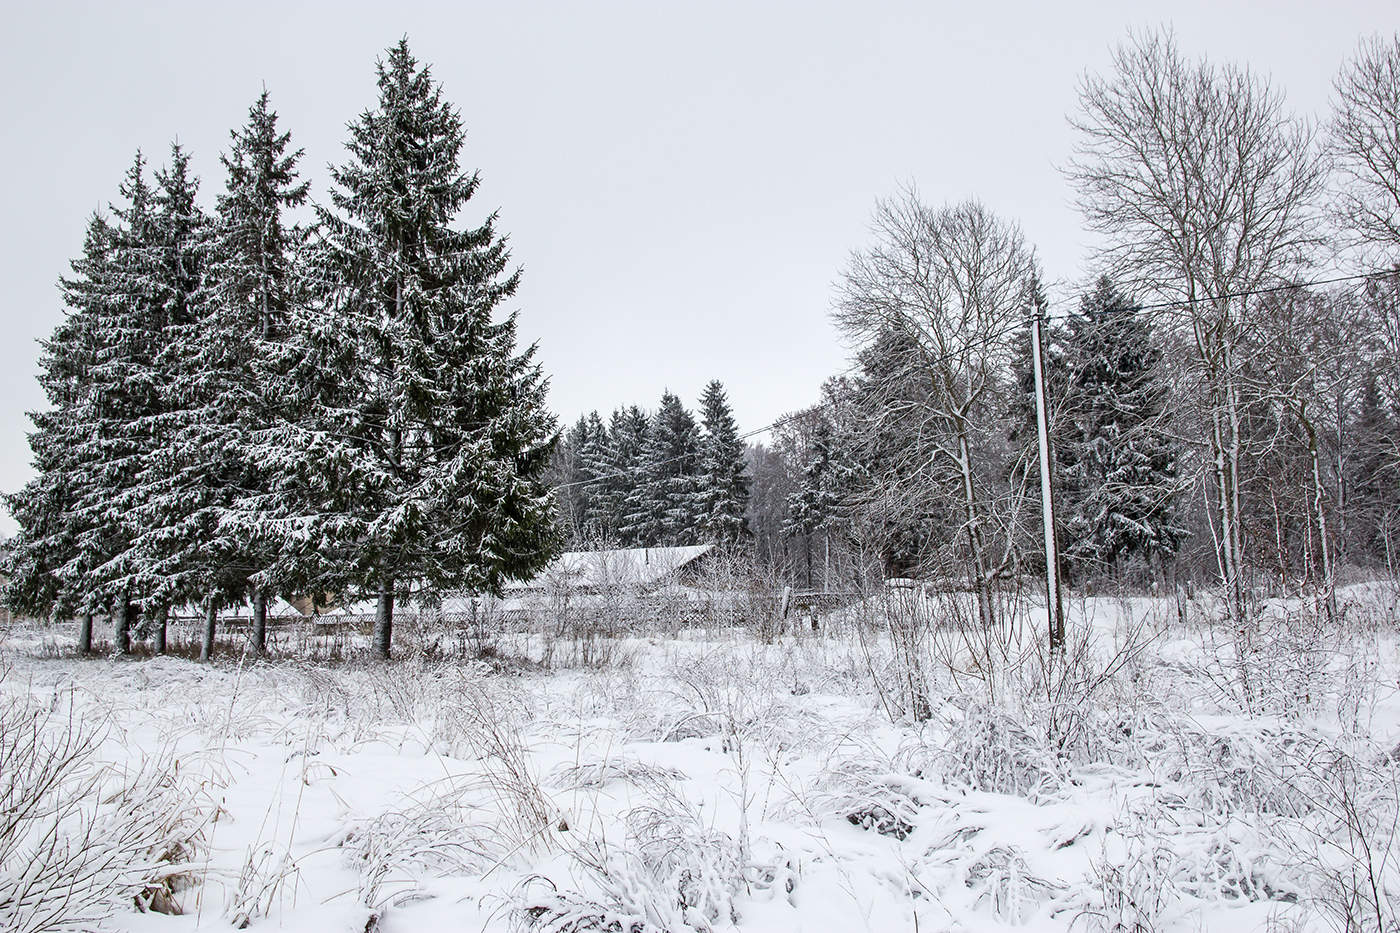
(1054, 601)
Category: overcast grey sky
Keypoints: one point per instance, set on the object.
(681, 182)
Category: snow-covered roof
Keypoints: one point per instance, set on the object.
(365, 607)
(638, 566)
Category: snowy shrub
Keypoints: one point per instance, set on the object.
(322, 689)
(869, 797)
(734, 590)
(79, 836)
(1277, 662)
(1163, 853)
(660, 715)
(721, 691)
(553, 912)
(701, 866)
(968, 855)
(714, 681)
(478, 630)
(1002, 881)
(909, 618)
(602, 771)
(895, 628)
(1349, 843)
(640, 709)
(1291, 654)
(260, 882)
(441, 834)
(991, 750)
(1231, 861)
(1359, 684)
(483, 720)
(788, 724)
(1247, 768)
(673, 874)
(1133, 884)
(582, 625)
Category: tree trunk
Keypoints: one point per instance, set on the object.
(1226, 517)
(1320, 514)
(1343, 504)
(260, 622)
(162, 623)
(85, 634)
(981, 584)
(211, 619)
(1237, 590)
(121, 622)
(384, 620)
(1226, 439)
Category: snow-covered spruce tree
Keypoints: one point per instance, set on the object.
(1118, 468)
(47, 567)
(425, 449)
(615, 460)
(222, 367)
(594, 524)
(573, 474)
(662, 510)
(1373, 476)
(722, 494)
(122, 402)
(174, 557)
(256, 282)
(812, 507)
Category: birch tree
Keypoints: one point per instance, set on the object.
(1201, 185)
(1365, 141)
(945, 288)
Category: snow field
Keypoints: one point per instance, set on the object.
(720, 783)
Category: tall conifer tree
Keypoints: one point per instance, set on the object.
(594, 522)
(174, 557)
(616, 462)
(573, 475)
(229, 375)
(46, 567)
(123, 397)
(813, 505)
(722, 495)
(430, 439)
(663, 508)
(1118, 468)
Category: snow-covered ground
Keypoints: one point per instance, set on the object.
(711, 782)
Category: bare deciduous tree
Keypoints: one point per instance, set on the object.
(1303, 362)
(1365, 142)
(950, 285)
(1202, 186)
